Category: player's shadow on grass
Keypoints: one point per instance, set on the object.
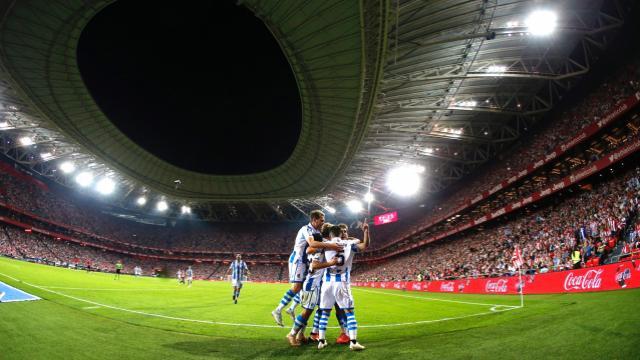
(240, 349)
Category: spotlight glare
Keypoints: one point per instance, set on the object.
(368, 197)
(355, 206)
(405, 180)
(162, 205)
(67, 167)
(4, 124)
(105, 186)
(84, 179)
(46, 156)
(330, 209)
(541, 22)
(26, 141)
(141, 200)
(185, 209)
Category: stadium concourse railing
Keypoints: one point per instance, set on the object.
(586, 133)
(609, 159)
(601, 278)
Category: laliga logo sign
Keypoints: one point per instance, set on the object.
(447, 286)
(499, 286)
(590, 280)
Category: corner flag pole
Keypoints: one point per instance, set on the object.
(521, 287)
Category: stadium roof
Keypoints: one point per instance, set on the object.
(446, 84)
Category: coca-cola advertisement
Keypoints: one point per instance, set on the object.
(606, 277)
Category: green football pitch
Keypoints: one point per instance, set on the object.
(92, 316)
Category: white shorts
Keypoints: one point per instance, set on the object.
(336, 292)
(236, 283)
(189, 278)
(309, 299)
(297, 272)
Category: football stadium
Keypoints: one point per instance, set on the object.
(408, 179)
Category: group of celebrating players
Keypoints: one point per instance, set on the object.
(319, 272)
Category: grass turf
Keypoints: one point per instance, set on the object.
(92, 316)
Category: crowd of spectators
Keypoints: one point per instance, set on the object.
(610, 93)
(32, 246)
(591, 221)
(87, 221)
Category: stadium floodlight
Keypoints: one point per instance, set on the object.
(541, 22)
(330, 209)
(141, 200)
(67, 167)
(162, 205)
(105, 186)
(4, 124)
(368, 197)
(84, 179)
(405, 180)
(355, 206)
(26, 141)
(185, 209)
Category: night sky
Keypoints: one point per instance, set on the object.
(200, 84)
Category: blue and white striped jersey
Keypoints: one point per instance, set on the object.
(341, 272)
(314, 277)
(299, 248)
(238, 269)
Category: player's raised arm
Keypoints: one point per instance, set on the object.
(366, 238)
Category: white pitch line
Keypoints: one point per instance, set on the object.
(264, 326)
(103, 289)
(435, 299)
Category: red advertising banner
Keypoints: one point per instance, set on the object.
(613, 157)
(601, 278)
(584, 134)
(385, 218)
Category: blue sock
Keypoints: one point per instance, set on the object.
(352, 326)
(298, 324)
(324, 319)
(316, 321)
(285, 299)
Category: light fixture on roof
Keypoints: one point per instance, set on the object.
(84, 179)
(185, 209)
(541, 22)
(355, 206)
(428, 150)
(105, 186)
(67, 167)
(162, 205)
(46, 156)
(330, 209)
(4, 124)
(467, 103)
(405, 180)
(141, 201)
(26, 141)
(496, 69)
